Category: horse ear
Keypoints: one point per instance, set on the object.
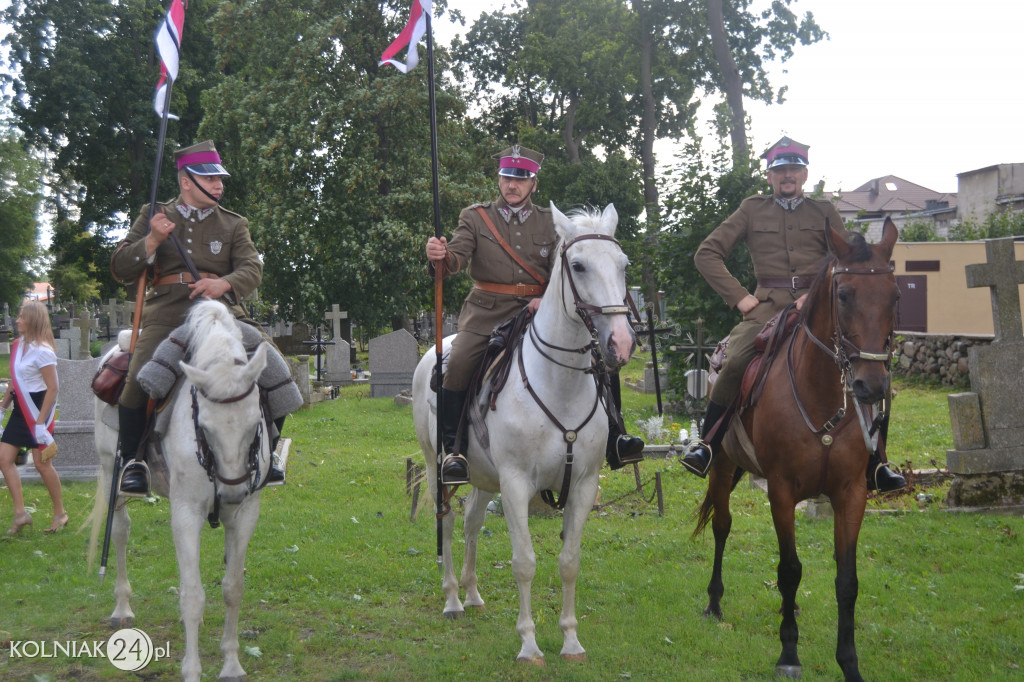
(563, 226)
(198, 377)
(836, 240)
(610, 219)
(258, 362)
(890, 235)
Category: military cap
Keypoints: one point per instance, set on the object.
(518, 162)
(786, 152)
(201, 159)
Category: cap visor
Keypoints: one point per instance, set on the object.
(516, 173)
(787, 161)
(208, 169)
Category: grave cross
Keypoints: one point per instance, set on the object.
(335, 316)
(86, 323)
(318, 344)
(111, 308)
(1002, 274)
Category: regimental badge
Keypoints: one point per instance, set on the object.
(515, 152)
(215, 247)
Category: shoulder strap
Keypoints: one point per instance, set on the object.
(508, 249)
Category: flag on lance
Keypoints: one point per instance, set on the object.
(168, 45)
(409, 37)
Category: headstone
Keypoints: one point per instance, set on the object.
(85, 324)
(393, 359)
(300, 374)
(988, 422)
(74, 340)
(75, 428)
(339, 367)
(294, 342)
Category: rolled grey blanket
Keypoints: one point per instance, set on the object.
(159, 375)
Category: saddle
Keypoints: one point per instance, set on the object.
(767, 343)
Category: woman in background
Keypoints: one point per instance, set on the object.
(33, 390)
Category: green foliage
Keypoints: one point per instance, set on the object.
(19, 201)
(919, 231)
(995, 225)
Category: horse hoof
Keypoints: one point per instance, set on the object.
(453, 615)
(790, 672)
(574, 657)
(536, 661)
(236, 678)
(121, 623)
(711, 613)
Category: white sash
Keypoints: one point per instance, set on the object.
(28, 406)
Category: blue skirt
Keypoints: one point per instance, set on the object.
(17, 432)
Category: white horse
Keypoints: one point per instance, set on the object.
(549, 430)
(212, 457)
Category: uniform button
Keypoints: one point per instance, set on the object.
(520, 269)
(192, 219)
(189, 240)
(789, 227)
(518, 247)
(519, 234)
(190, 250)
(791, 248)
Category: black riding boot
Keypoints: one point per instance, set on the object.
(135, 475)
(622, 448)
(881, 477)
(699, 452)
(454, 467)
(275, 476)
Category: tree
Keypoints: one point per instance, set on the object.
(19, 203)
(330, 155)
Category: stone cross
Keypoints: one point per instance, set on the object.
(318, 344)
(335, 316)
(86, 323)
(1002, 274)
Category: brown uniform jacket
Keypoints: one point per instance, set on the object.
(220, 245)
(782, 244)
(472, 245)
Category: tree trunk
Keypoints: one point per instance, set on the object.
(572, 146)
(648, 127)
(731, 83)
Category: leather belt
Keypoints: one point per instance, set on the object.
(511, 289)
(785, 283)
(182, 278)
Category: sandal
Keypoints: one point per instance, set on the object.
(58, 524)
(20, 521)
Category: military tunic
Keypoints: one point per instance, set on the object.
(218, 244)
(531, 233)
(783, 244)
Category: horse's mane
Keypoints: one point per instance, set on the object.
(213, 335)
(860, 252)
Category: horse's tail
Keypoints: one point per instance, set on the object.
(97, 518)
(704, 514)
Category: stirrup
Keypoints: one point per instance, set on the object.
(454, 470)
(895, 481)
(695, 459)
(144, 472)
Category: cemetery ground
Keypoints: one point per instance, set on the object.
(340, 585)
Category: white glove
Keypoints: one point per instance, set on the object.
(43, 437)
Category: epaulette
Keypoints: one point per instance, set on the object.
(483, 205)
(237, 215)
(542, 209)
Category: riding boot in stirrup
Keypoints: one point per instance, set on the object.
(135, 474)
(454, 467)
(275, 475)
(881, 477)
(700, 452)
(622, 448)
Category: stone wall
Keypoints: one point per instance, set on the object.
(937, 357)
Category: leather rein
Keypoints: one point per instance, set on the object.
(585, 311)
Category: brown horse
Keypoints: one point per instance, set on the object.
(813, 427)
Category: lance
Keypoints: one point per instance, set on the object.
(438, 289)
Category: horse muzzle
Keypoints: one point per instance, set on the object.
(619, 344)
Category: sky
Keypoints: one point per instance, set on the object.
(919, 89)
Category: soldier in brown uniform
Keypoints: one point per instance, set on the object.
(785, 234)
(218, 242)
(501, 287)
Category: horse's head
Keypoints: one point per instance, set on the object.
(593, 279)
(864, 296)
(226, 403)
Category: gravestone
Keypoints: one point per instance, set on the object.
(71, 339)
(988, 422)
(294, 343)
(85, 325)
(299, 368)
(75, 428)
(340, 356)
(393, 359)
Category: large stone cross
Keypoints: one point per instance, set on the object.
(111, 308)
(335, 317)
(1002, 274)
(85, 325)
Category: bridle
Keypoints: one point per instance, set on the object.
(585, 311)
(206, 456)
(843, 353)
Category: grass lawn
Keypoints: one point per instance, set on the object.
(341, 585)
